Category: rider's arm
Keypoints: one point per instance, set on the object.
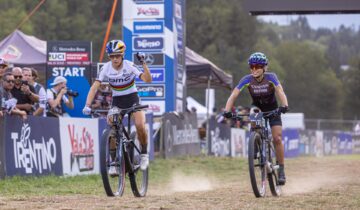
(94, 88)
(54, 102)
(231, 100)
(279, 91)
(146, 76)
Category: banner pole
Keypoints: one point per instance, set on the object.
(108, 30)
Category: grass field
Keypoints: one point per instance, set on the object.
(198, 183)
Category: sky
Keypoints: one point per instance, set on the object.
(318, 21)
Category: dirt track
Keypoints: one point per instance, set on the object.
(313, 183)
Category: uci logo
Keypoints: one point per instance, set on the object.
(57, 57)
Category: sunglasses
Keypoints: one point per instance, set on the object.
(18, 77)
(9, 81)
(115, 56)
(257, 66)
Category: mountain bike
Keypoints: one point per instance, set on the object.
(260, 154)
(119, 148)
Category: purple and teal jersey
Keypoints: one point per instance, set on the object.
(262, 93)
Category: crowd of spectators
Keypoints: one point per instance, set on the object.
(21, 94)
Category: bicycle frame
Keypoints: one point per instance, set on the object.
(124, 139)
(118, 148)
(260, 149)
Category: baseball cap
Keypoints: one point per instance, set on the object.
(58, 80)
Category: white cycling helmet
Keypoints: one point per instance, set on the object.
(115, 47)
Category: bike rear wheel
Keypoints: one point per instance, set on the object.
(275, 188)
(138, 178)
(257, 169)
(114, 185)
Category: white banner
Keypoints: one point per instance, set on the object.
(238, 145)
(80, 146)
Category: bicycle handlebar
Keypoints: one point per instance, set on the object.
(265, 114)
(125, 111)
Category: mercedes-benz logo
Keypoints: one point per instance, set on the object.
(149, 59)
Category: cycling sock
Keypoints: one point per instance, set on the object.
(144, 149)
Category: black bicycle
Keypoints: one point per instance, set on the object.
(260, 154)
(120, 153)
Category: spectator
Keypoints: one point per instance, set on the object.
(102, 98)
(22, 91)
(8, 102)
(56, 96)
(3, 67)
(39, 107)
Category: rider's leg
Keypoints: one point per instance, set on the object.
(277, 140)
(139, 118)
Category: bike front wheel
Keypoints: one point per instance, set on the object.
(112, 166)
(275, 188)
(257, 169)
(138, 178)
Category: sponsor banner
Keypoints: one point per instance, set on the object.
(356, 144)
(291, 142)
(146, 11)
(219, 138)
(151, 91)
(344, 143)
(179, 27)
(178, 11)
(179, 90)
(156, 107)
(98, 68)
(238, 145)
(180, 73)
(180, 44)
(157, 75)
(151, 59)
(179, 105)
(180, 58)
(80, 146)
(149, 27)
(311, 142)
(68, 53)
(72, 60)
(330, 140)
(31, 149)
(148, 43)
(181, 136)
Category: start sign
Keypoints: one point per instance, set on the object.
(68, 71)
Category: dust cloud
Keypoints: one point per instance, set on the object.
(181, 182)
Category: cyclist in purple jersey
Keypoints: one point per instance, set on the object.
(264, 87)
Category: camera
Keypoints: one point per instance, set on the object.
(24, 82)
(72, 93)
